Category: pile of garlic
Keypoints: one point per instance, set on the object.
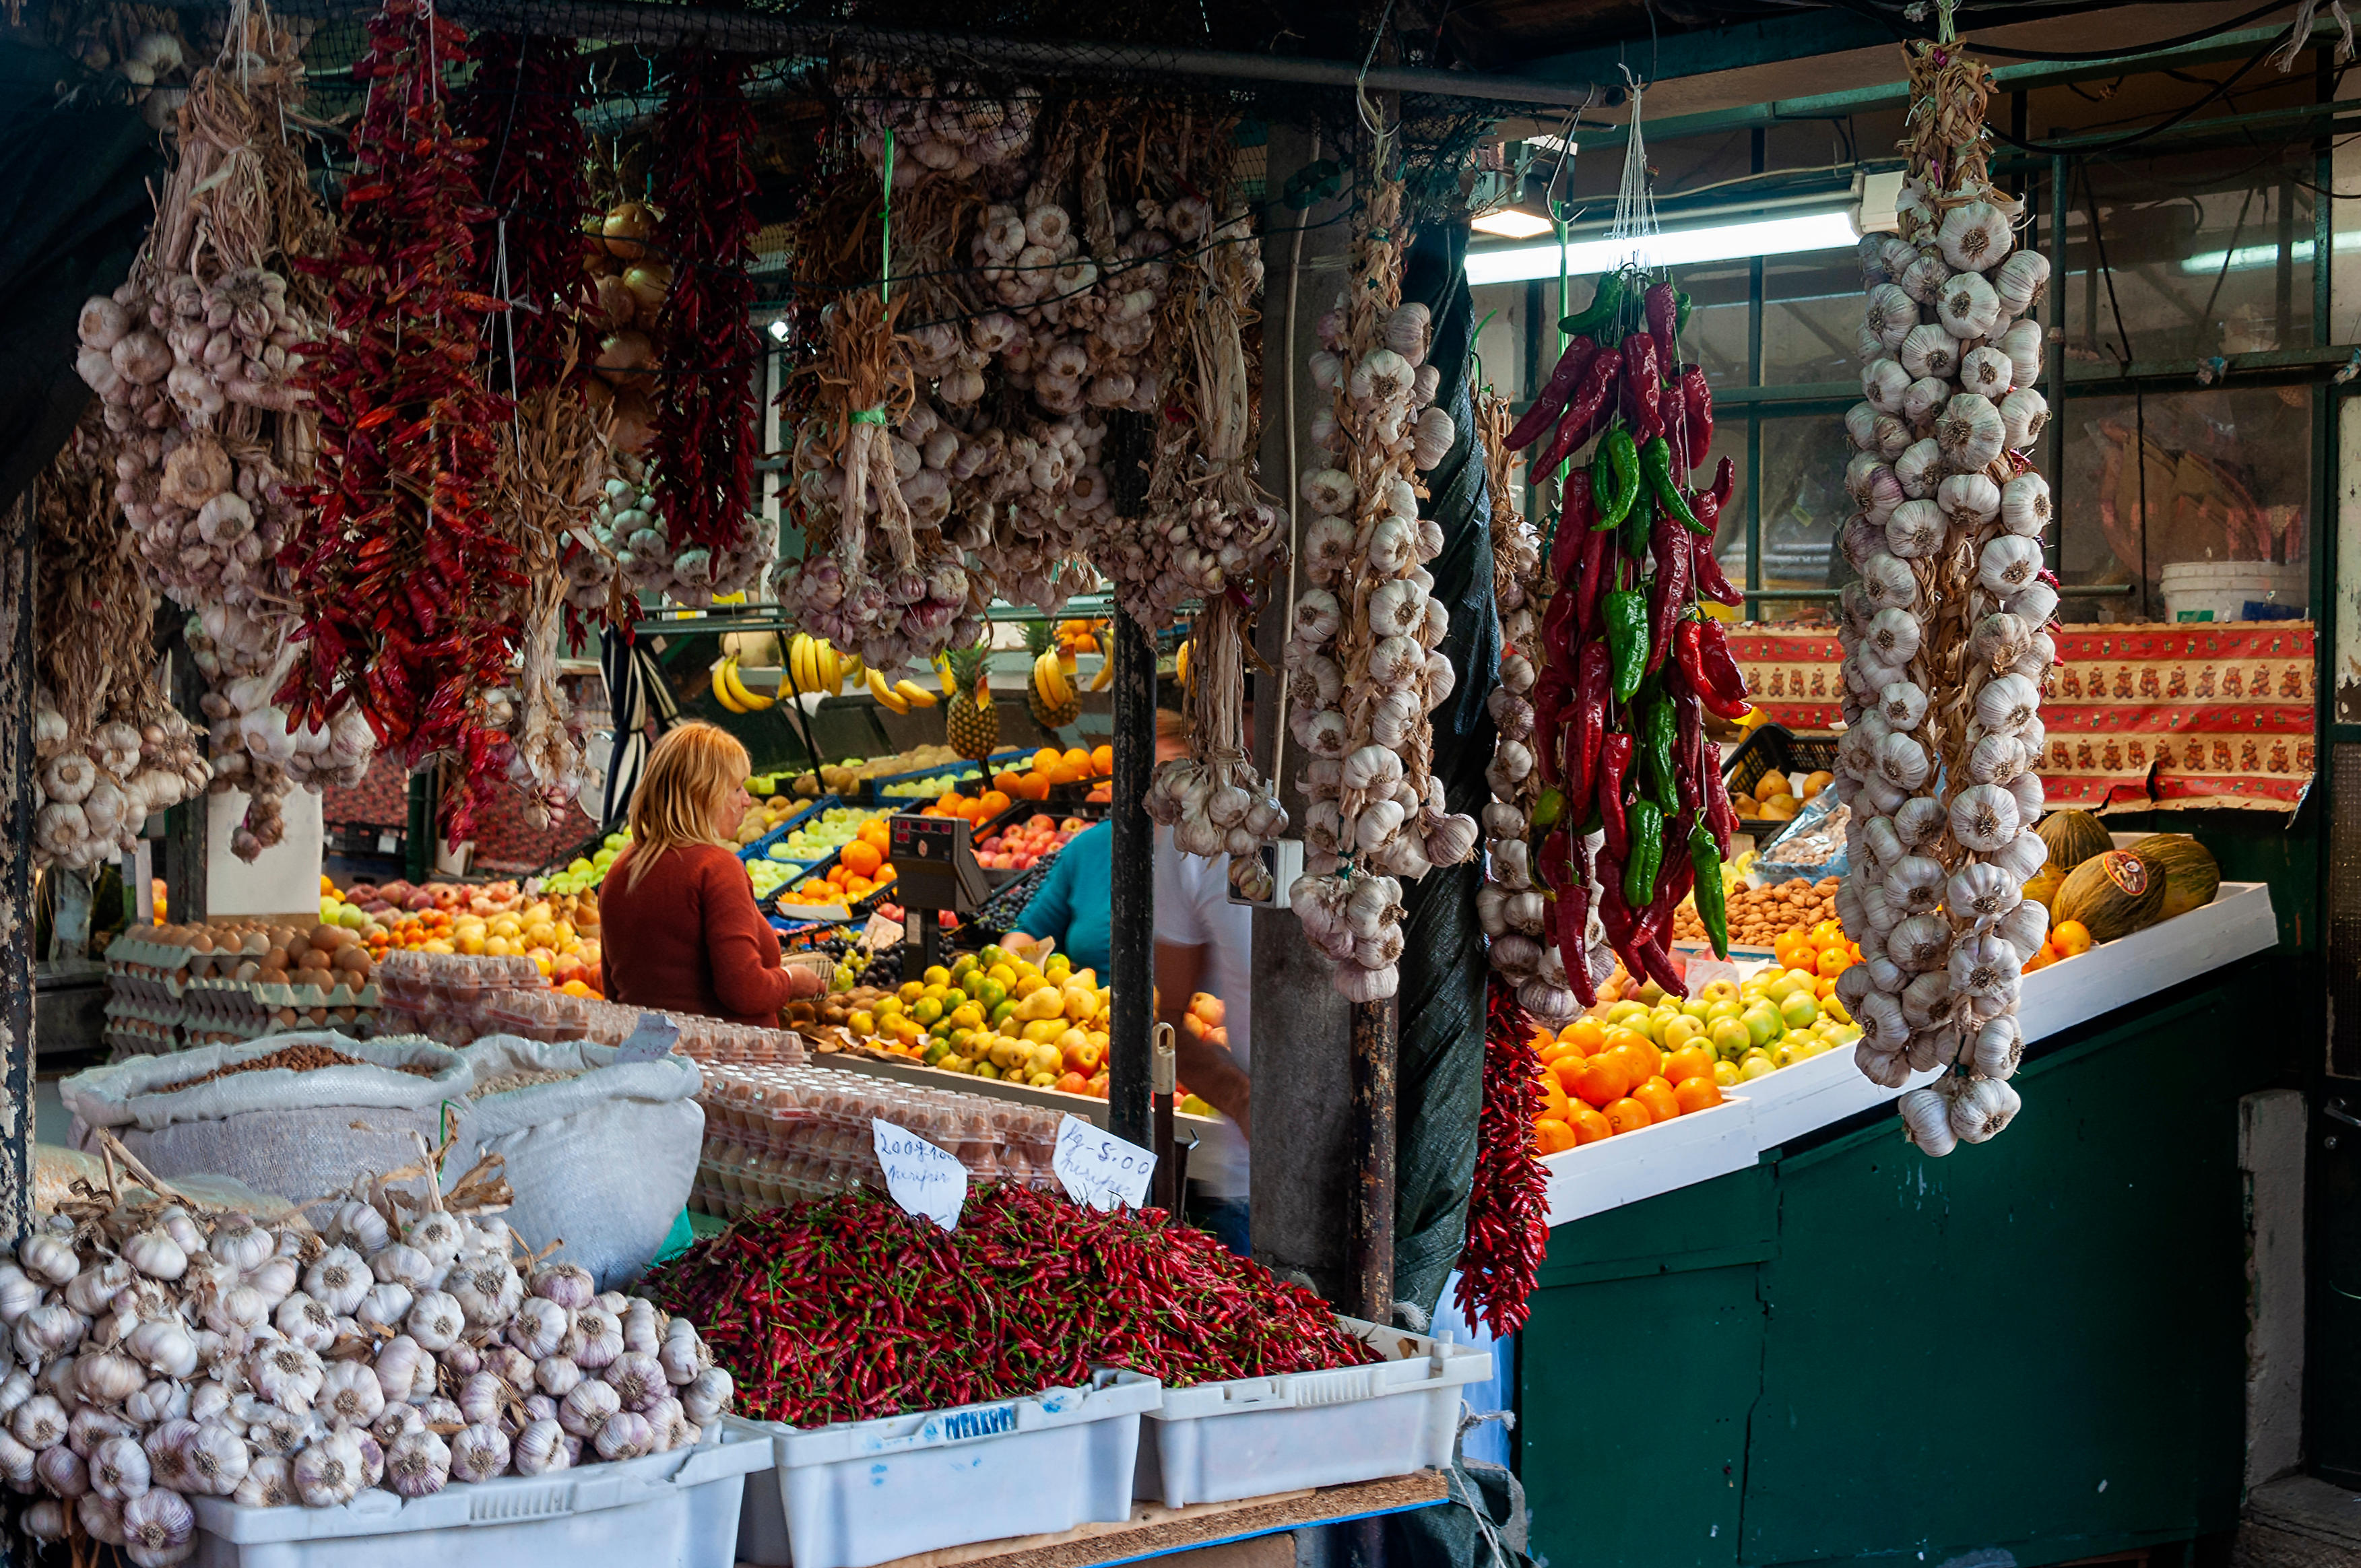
(629, 546)
(1364, 661)
(1512, 911)
(96, 791)
(1946, 646)
(153, 1356)
(245, 654)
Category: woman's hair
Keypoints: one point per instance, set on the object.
(692, 770)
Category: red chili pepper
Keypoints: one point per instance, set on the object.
(1585, 413)
(1689, 771)
(1697, 403)
(1704, 569)
(1658, 966)
(1672, 414)
(1592, 688)
(1551, 693)
(1542, 415)
(1712, 671)
(1663, 310)
(1597, 571)
(1642, 387)
(1575, 515)
(1572, 920)
(1668, 598)
(1725, 480)
(1614, 766)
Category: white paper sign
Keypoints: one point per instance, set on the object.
(1099, 1169)
(650, 1040)
(924, 1179)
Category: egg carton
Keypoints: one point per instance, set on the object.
(163, 1014)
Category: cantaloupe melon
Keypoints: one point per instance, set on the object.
(2111, 894)
(2190, 874)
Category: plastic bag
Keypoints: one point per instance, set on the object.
(602, 1160)
(302, 1136)
(1812, 847)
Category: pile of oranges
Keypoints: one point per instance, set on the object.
(1048, 767)
(1600, 1080)
(1821, 949)
(860, 869)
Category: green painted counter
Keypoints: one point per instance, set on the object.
(1851, 1351)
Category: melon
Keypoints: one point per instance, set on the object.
(2074, 836)
(2110, 895)
(2043, 888)
(2192, 875)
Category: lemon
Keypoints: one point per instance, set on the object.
(911, 990)
(967, 1015)
(863, 1024)
(927, 1010)
(937, 975)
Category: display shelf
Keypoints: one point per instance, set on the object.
(1154, 1530)
(901, 1069)
(1784, 1105)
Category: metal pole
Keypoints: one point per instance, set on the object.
(1375, 1040)
(16, 588)
(186, 826)
(1131, 940)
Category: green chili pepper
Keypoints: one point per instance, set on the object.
(1548, 809)
(1712, 912)
(1639, 527)
(1627, 639)
(1681, 303)
(1657, 463)
(1659, 728)
(1615, 479)
(1645, 823)
(1605, 300)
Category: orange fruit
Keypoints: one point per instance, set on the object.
(1586, 1034)
(1567, 1071)
(1552, 1050)
(1047, 756)
(1658, 1097)
(1627, 1115)
(1006, 782)
(1641, 1061)
(1603, 1080)
(1102, 762)
(2070, 938)
(1696, 1094)
(838, 872)
(1689, 1062)
(993, 803)
(1554, 1100)
(862, 857)
(1550, 1136)
(1589, 1126)
(1079, 758)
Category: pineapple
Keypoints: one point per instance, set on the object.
(971, 723)
(1049, 694)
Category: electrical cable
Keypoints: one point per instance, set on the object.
(2091, 149)
(2199, 36)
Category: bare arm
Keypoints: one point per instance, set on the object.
(1212, 1073)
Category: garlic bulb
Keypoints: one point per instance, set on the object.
(158, 1527)
(328, 1471)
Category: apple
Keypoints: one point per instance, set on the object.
(1730, 1039)
(1777, 988)
(1762, 1023)
(1652, 994)
(1719, 990)
(1799, 1011)
(1696, 1007)
(1681, 1030)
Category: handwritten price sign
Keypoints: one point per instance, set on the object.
(1099, 1169)
(924, 1179)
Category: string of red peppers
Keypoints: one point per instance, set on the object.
(848, 1309)
(525, 102)
(524, 106)
(703, 447)
(1629, 666)
(1508, 1204)
(408, 588)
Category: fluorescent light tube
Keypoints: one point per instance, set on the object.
(1678, 247)
(2248, 258)
(1510, 223)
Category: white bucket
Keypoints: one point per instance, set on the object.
(2221, 590)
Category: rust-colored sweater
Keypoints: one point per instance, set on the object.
(687, 938)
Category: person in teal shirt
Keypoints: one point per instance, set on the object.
(1072, 904)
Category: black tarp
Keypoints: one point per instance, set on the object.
(1441, 1075)
(74, 202)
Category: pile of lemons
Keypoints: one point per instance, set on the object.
(994, 1014)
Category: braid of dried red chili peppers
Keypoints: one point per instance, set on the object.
(1508, 1205)
(524, 103)
(407, 585)
(703, 448)
(848, 1309)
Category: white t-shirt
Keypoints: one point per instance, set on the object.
(1193, 910)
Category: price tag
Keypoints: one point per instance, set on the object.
(651, 1041)
(880, 933)
(1099, 1169)
(924, 1179)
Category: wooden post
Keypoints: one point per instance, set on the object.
(16, 869)
(186, 828)
(1131, 938)
(1372, 1239)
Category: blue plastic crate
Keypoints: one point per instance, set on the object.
(760, 847)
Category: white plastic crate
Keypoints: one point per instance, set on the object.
(1251, 1436)
(668, 1510)
(861, 1492)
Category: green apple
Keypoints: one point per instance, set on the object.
(1696, 1007)
(1763, 1024)
(1729, 1038)
(1719, 990)
(1727, 1007)
(1800, 1010)
(1624, 1012)
(1680, 1030)
(1755, 1067)
(1778, 988)
(1652, 994)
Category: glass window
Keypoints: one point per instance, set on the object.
(2204, 253)
(1811, 316)
(1718, 298)
(2218, 477)
(1804, 506)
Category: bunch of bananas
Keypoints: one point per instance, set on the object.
(898, 697)
(817, 667)
(731, 693)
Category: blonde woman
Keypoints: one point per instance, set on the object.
(681, 932)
